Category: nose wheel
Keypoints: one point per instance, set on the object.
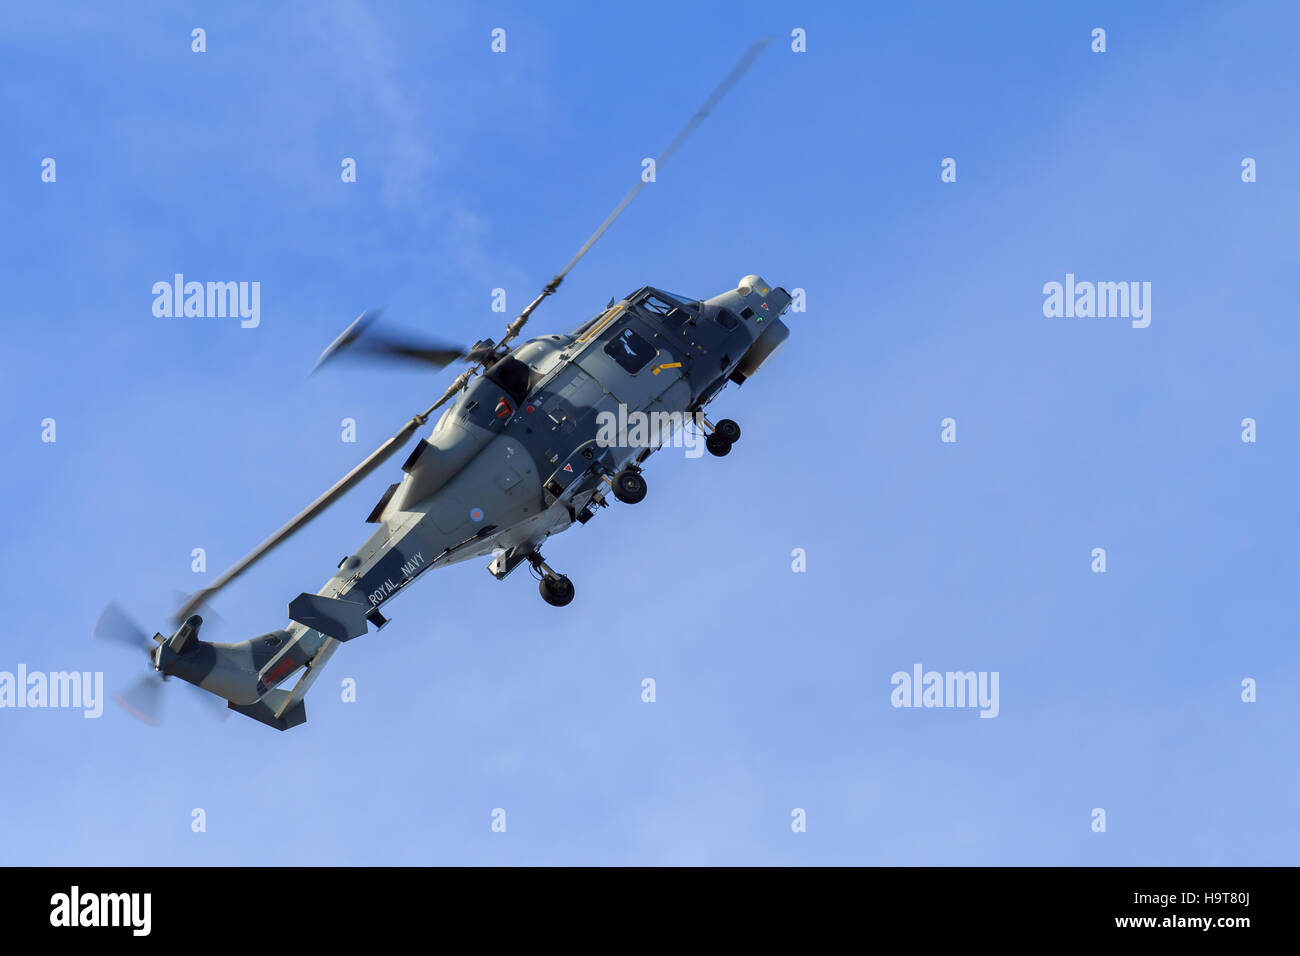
(555, 589)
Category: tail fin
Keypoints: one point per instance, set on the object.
(241, 673)
(246, 675)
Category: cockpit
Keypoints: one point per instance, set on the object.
(519, 372)
(511, 376)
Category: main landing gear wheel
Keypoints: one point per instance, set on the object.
(555, 588)
(629, 487)
(556, 591)
(717, 445)
(729, 431)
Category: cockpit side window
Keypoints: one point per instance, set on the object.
(630, 350)
(679, 316)
(657, 305)
(726, 318)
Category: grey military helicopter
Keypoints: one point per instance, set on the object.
(515, 458)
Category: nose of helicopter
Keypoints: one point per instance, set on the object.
(754, 296)
(762, 297)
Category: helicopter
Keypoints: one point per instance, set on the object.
(518, 455)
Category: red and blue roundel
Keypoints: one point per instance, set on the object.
(475, 514)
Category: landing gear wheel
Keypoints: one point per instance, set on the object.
(729, 431)
(557, 591)
(717, 445)
(629, 487)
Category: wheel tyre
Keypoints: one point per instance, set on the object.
(717, 445)
(729, 431)
(629, 487)
(557, 592)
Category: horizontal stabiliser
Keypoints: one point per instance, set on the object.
(341, 620)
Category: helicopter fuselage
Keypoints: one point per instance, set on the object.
(518, 457)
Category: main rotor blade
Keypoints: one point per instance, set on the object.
(339, 488)
(359, 340)
(348, 336)
(211, 619)
(438, 356)
(730, 80)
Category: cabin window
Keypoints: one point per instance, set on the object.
(630, 351)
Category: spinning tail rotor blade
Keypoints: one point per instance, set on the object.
(339, 488)
(115, 625)
(143, 699)
(730, 80)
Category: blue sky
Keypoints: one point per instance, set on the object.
(820, 171)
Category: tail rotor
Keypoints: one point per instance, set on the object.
(143, 698)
